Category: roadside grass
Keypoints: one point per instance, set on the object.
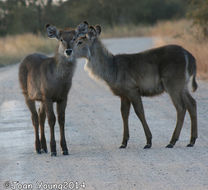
(126, 31)
(14, 48)
(190, 37)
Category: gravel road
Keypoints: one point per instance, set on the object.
(94, 133)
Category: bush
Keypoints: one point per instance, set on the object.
(198, 11)
(23, 16)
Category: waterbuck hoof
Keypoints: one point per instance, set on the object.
(147, 146)
(190, 145)
(65, 152)
(170, 146)
(192, 142)
(38, 151)
(44, 151)
(53, 153)
(123, 146)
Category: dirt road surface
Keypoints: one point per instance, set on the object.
(94, 133)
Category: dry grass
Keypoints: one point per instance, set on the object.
(126, 31)
(14, 48)
(190, 37)
(180, 32)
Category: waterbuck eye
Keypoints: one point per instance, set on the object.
(61, 40)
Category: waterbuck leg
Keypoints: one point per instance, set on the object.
(51, 121)
(42, 117)
(125, 107)
(139, 110)
(34, 117)
(192, 109)
(181, 110)
(61, 106)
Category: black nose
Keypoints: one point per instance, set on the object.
(68, 51)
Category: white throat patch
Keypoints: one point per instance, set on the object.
(61, 50)
(88, 53)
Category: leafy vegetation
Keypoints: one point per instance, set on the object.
(198, 12)
(23, 16)
(183, 33)
(22, 23)
(14, 48)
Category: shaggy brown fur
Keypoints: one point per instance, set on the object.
(48, 80)
(149, 73)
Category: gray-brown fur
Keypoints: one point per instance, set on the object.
(48, 80)
(149, 73)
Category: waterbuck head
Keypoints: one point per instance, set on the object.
(85, 37)
(65, 37)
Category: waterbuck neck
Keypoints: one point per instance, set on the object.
(100, 64)
(64, 66)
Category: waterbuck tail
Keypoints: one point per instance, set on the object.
(192, 71)
(194, 83)
(23, 77)
(191, 68)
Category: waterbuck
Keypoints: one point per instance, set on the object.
(48, 80)
(149, 73)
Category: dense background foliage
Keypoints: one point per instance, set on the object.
(183, 22)
(198, 11)
(22, 16)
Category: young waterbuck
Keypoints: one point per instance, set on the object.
(48, 80)
(149, 73)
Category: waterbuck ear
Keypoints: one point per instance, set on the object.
(98, 29)
(92, 32)
(82, 28)
(52, 31)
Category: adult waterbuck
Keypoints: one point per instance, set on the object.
(149, 73)
(48, 80)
